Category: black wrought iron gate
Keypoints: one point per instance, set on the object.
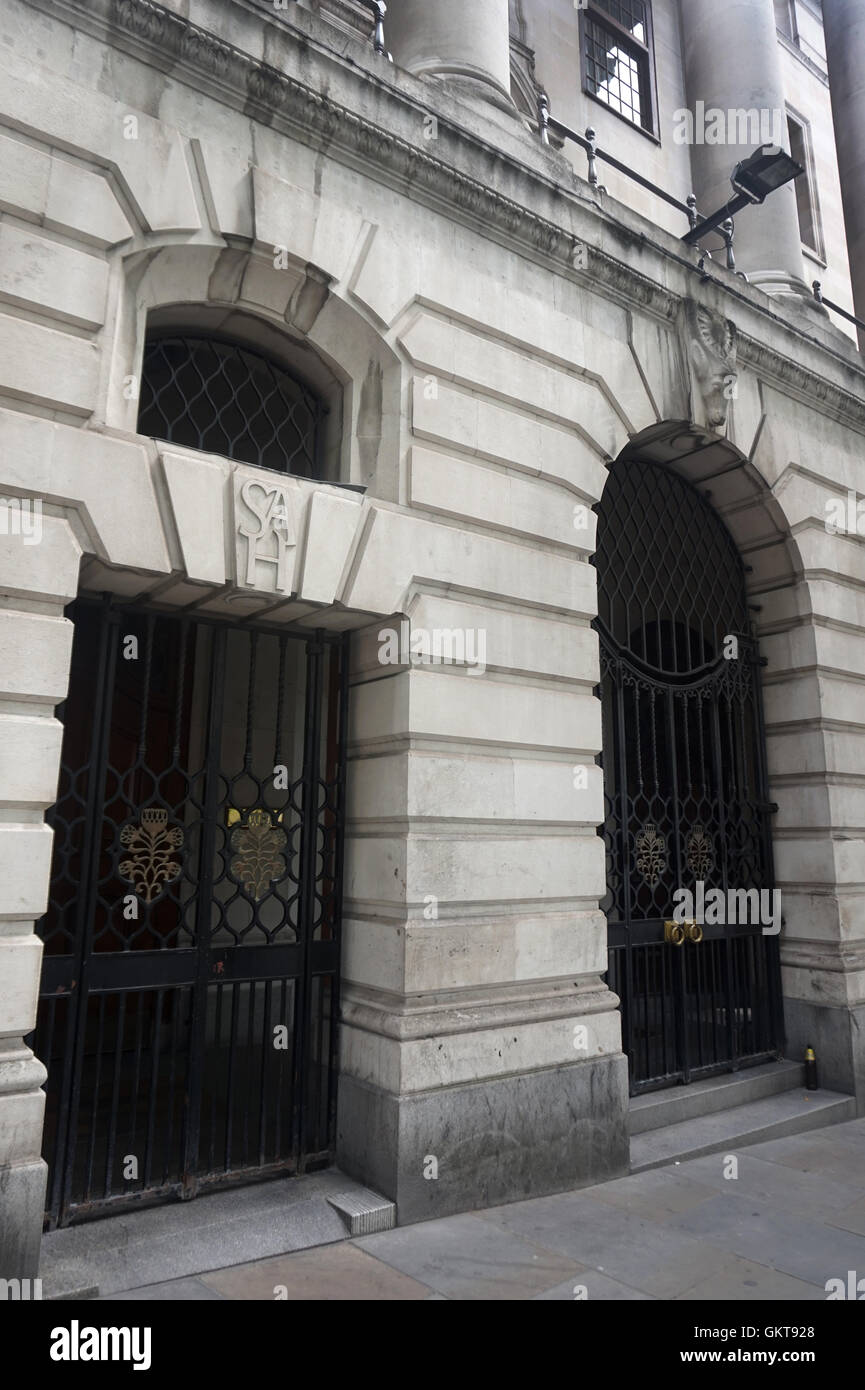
(686, 803)
(189, 988)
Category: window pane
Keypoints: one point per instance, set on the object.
(804, 201)
(631, 14)
(784, 18)
(614, 74)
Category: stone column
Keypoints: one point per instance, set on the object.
(466, 45)
(844, 25)
(38, 576)
(733, 65)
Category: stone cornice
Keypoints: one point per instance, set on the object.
(170, 42)
(792, 378)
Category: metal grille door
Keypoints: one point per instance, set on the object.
(684, 782)
(189, 986)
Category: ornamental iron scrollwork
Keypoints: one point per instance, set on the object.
(152, 845)
(258, 859)
(651, 854)
(699, 852)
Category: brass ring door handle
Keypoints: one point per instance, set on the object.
(694, 932)
(674, 933)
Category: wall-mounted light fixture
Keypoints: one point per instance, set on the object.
(753, 179)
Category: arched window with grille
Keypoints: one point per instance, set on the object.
(205, 393)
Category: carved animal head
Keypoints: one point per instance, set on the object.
(712, 352)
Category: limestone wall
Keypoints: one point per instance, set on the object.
(487, 373)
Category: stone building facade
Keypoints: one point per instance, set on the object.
(488, 333)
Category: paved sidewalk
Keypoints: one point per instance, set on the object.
(792, 1219)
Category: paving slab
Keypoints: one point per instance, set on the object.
(830, 1154)
(599, 1288)
(808, 1250)
(174, 1291)
(656, 1194)
(744, 1281)
(466, 1257)
(336, 1273)
(851, 1218)
(805, 1194)
(644, 1254)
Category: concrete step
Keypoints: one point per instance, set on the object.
(176, 1239)
(657, 1109)
(774, 1117)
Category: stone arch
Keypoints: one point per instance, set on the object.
(293, 311)
(765, 523)
(678, 636)
(741, 497)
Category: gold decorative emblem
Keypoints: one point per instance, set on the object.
(151, 845)
(700, 852)
(651, 856)
(258, 857)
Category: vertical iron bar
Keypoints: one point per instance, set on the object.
(343, 655)
(251, 988)
(772, 943)
(724, 866)
(308, 848)
(115, 1090)
(207, 853)
(286, 993)
(141, 1000)
(681, 970)
(94, 1108)
(91, 850)
(154, 1088)
(176, 1003)
(266, 1048)
(229, 1080)
(217, 1078)
(615, 674)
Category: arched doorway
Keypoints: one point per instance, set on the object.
(692, 918)
(189, 989)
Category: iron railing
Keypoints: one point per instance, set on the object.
(588, 142)
(845, 314)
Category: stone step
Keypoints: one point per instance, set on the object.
(774, 1117)
(119, 1253)
(657, 1109)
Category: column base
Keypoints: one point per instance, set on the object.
(465, 1147)
(22, 1202)
(469, 84)
(780, 284)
